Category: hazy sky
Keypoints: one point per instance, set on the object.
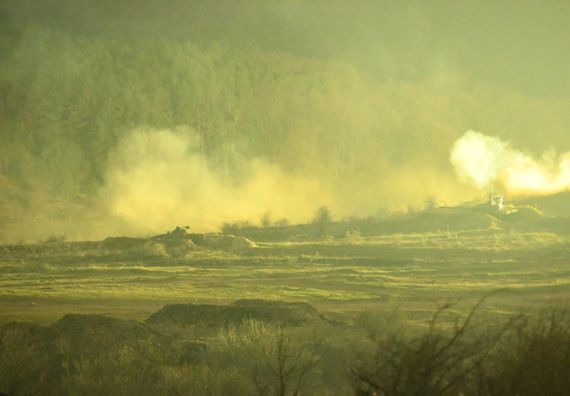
(520, 44)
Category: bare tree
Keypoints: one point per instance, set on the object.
(434, 363)
(279, 364)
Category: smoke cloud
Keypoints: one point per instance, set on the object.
(483, 160)
(159, 178)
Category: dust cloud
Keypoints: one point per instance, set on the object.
(158, 178)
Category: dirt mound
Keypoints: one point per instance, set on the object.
(25, 335)
(289, 313)
(524, 214)
(122, 243)
(178, 234)
(226, 242)
(169, 248)
(28, 352)
(77, 335)
(557, 205)
(175, 243)
(453, 219)
(87, 334)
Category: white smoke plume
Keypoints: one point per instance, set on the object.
(484, 160)
(158, 179)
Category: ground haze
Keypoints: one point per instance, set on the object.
(285, 197)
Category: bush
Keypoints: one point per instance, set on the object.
(29, 363)
(322, 215)
(534, 359)
(124, 373)
(92, 355)
(278, 364)
(435, 362)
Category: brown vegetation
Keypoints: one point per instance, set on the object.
(95, 355)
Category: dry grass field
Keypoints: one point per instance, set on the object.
(411, 272)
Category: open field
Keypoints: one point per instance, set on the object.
(410, 272)
(320, 310)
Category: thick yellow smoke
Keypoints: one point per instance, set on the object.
(159, 179)
(483, 160)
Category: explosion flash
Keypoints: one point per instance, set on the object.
(482, 160)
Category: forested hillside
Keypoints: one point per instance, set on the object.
(240, 83)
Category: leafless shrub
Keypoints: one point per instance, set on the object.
(534, 359)
(122, 372)
(278, 363)
(436, 362)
